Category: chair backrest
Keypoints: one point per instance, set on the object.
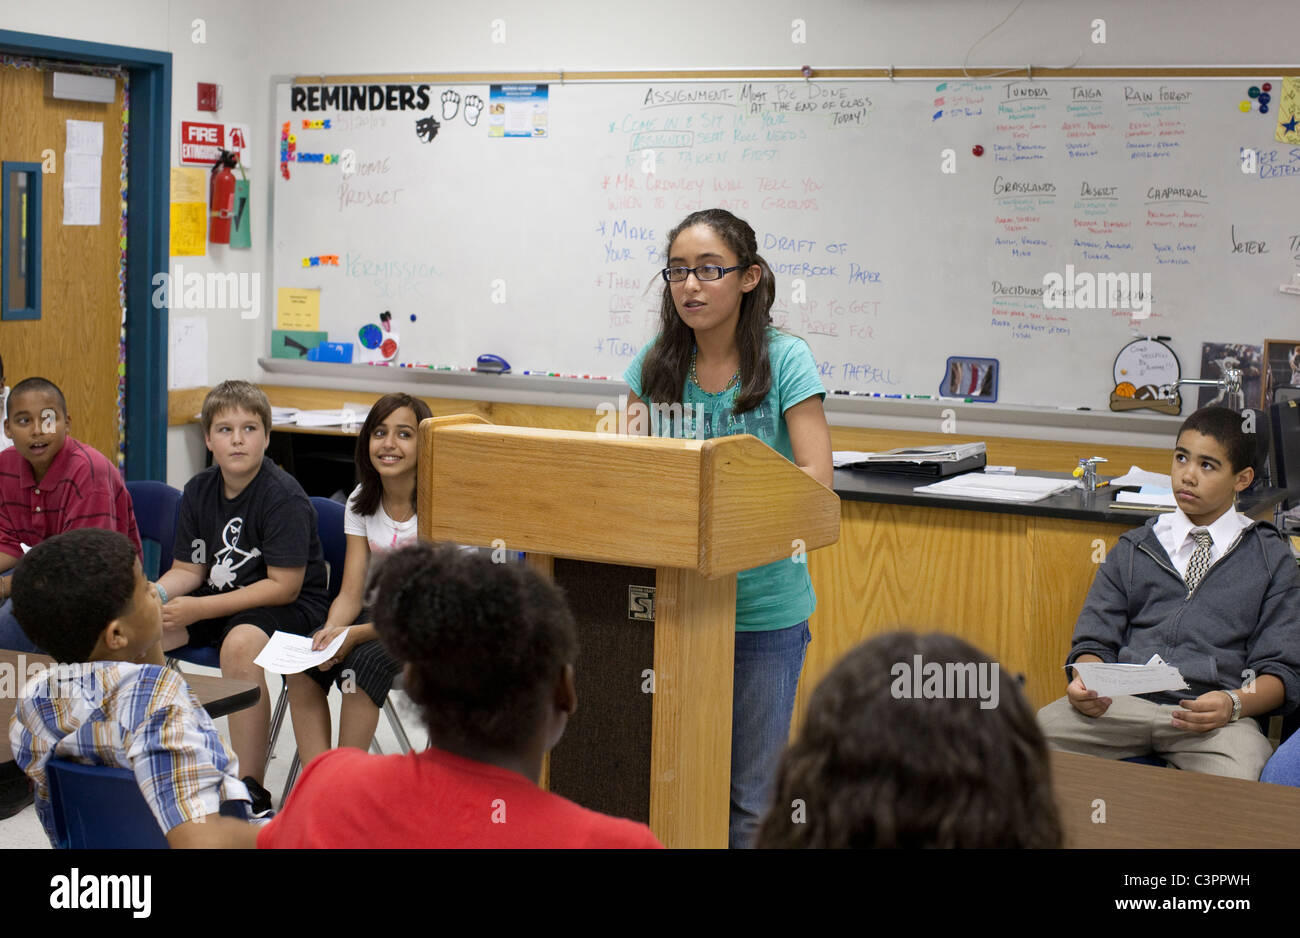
(1286, 393)
(329, 523)
(100, 807)
(157, 506)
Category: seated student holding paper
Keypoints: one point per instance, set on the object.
(247, 561)
(1211, 592)
(489, 650)
(112, 700)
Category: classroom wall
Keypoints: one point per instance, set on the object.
(249, 41)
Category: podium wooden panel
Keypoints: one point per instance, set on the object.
(695, 512)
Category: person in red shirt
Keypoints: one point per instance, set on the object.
(489, 651)
(50, 483)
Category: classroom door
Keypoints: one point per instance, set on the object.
(75, 342)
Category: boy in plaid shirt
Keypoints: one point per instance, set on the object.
(111, 700)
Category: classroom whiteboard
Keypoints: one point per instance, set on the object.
(545, 247)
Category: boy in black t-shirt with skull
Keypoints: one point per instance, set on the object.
(247, 561)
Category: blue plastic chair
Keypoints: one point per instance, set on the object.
(157, 505)
(98, 807)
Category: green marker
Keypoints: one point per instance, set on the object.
(918, 397)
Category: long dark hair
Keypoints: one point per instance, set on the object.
(876, 769)
(664, 370)
(372, 488)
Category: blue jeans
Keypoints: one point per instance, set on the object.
(1284, 766)
(12, 635)
(766, 678)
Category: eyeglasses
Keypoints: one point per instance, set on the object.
(706, 272)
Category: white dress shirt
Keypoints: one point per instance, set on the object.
(1175, 533)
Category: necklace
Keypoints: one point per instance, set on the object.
(735, 379)
(397, 522)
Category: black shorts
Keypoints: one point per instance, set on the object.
(368, 667)
(295, 618)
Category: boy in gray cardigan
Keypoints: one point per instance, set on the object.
(1212, 593)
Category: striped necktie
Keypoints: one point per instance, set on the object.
(1200, 562)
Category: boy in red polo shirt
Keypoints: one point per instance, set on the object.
(50, 483)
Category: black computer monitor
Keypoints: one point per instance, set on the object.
(1284, 420)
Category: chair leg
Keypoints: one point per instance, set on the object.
(294, 766)
(390, 711)
(277, 719)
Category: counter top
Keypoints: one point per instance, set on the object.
(1074, 504)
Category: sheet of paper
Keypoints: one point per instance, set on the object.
(1147, 498)
(997, 487)
(189, 229)
(81, 205)
(81, 169)
(1136, 476)
(85, 137)
(188, 360)
(189, 185)
(847, 457)
(1111, 680)
(1288, 111)
(297, 308)
(291, 654)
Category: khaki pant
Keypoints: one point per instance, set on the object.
(1132, 726)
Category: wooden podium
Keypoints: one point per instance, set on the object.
(669, 521)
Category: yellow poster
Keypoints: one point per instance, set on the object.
(189, 233)
(189, 212)
(297, 308)
(1288, 111)
(189, 184)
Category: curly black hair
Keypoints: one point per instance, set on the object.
(484, 642)
(68, 588)
(872, 769)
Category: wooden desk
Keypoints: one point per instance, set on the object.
(219, 696)
(1151, 808)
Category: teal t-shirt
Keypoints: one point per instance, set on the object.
(780, 594)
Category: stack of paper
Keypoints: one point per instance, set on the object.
(283, 415)
(913, 454)
(997, 487)
(1136, 476)
(348, 415)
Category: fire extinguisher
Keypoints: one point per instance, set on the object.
(222, 198)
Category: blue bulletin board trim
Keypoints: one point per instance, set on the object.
(32, 309)
(148, 219)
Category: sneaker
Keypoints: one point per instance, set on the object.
(261, 797)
